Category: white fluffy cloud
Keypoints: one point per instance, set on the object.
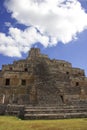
(7, 24)
(19, 41)
(56, 20)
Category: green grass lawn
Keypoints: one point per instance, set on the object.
(13, 123)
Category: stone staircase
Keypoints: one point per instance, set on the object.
(14, 110)
(45, 112)
(59, 112)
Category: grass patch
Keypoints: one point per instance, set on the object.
(13, 123)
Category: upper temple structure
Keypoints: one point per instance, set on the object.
(41, 81)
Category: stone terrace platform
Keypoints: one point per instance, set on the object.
(45, 112)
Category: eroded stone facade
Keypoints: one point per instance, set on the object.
(39, 80)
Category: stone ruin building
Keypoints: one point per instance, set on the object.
(39, 87)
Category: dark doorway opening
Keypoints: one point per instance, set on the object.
(7, 82)
(23, 82)
(77, 83)
(67, 73)
(62, 98)
(25, 69)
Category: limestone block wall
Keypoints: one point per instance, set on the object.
(1, 81)
(41, 80)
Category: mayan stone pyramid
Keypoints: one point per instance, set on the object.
(41, 81)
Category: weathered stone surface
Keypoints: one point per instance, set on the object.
(41, 81)
(62, 111)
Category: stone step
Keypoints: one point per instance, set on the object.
(15, 113)
(43, 112)
(55, 116)
(60, 107)
(52, 112)
(54, 109)
(14, 109)
(40, 109)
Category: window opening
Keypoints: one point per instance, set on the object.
(62, 98)
(23, 82)
(77, 83)
(10, 68)
(67, 73)
(26, 69)
(7, 82)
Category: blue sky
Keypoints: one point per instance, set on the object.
(58, 28)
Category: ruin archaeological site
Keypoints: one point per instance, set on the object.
(42, 88)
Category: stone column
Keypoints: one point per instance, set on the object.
(3, 99)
